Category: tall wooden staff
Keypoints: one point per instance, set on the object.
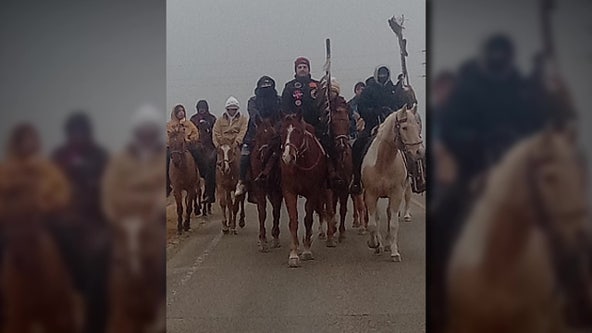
(397, 27)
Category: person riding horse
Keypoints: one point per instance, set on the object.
(299, 96)
(178, 118)
(379, 99)
(265, 105)
(232, 126)
(204, 119)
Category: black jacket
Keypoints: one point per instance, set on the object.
(299, 96)
(376, 102)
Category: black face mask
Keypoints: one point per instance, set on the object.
(266, 92)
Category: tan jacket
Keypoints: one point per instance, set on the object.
(32, 184)
(133, 187)
(191, 132)
(230, 131)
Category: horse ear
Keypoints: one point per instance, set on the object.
(414, 109)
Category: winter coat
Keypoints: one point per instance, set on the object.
(230, 130)
(32, 184)
(207, 117)
(256, 110)
(484, 117)
(377, 102)
(133, 187)
(191, 132)
(299, 96)
(84, 169)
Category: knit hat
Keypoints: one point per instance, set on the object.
(232, 102)
(335, 86)
(147, 115)
(301, 60)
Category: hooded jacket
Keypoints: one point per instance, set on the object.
(378, 100)
(229, 129)
(32, 183)
(191, 132)
(209, 118)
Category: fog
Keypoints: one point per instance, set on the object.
(220, 48)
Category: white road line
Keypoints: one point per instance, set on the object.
(195, 266)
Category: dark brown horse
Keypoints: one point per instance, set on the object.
(304, 172)
(184, 176)
(270, 189)
(207, 151)
(343, 162)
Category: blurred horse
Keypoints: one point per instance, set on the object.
(384, 174)
(304, 172)
(522, 252)
(207, 151)
(184, 176)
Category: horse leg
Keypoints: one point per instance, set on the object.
(356, 215)
(329, 214)
(241, 222)
(276, 204)
(223, 204)
(322, 231)
(197, 200)
(179, 202)
(371, 201)
(392, 237)
(291, 201)
(262, 212)
(363, 214)
(407, 214)
(308, 221)
(188, 209)
(342, 215)
(233, 211)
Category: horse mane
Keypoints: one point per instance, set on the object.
(388, 125)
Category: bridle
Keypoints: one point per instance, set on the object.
(303, 148)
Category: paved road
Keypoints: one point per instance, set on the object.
(221, 283)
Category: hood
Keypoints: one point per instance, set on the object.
(146, 115)
(376, 74)
(232, 101)
(264, 82)
(173, 112)
(204, 103)
(18, 134)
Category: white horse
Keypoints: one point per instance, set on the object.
(384, 175)
(506, 266)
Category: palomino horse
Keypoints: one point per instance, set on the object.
(519, 255)
(207, 151)
(343, 163)
(304, 172)
(227, 173)
(271, 188)
(384, 174)
(184, 176)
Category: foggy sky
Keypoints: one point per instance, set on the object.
(220, 48)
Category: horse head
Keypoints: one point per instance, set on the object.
(340, 124)
(292, 133)
(227, 156)
(265, 133)
(408, 132)
(177, 144)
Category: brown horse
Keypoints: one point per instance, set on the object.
(521, 254)
(384, 174)
(304, 172)
(262, 150)
(184, 176)
(343, 164)
(227, 174)
(207, 151)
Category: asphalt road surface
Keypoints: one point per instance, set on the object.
(222, 283)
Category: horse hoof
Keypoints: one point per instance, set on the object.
(331, 243)
(241, 223)
(396, 257)
(307, 255)
(179, 232)
(322, 236)
(371, 244)
(294, 262)
(233, 232)
(263, 247)
(378, 250)
(276, 244)
(225, 231)
(341, 238)
(387, 248)
(407, 218)
(362, 231)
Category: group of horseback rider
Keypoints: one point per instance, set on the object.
(374, 100)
